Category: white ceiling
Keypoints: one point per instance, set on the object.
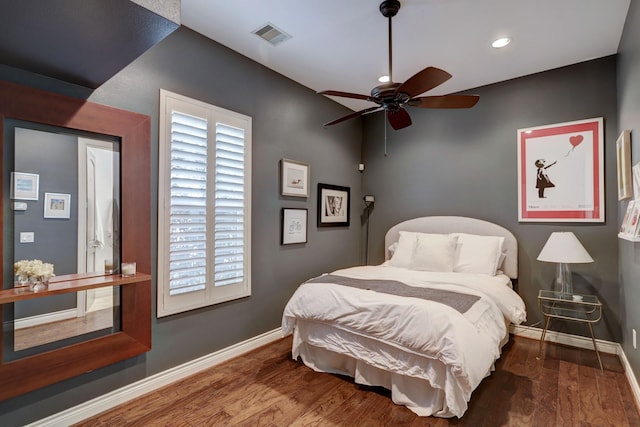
(343, 44)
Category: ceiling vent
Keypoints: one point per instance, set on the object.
(272, 34)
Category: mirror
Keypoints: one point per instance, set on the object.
(84, 169)
(133, 336)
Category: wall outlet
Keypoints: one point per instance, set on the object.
(634, 339)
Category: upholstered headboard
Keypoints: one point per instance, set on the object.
(459, 224)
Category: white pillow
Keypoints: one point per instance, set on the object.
(434, 252)
(404, 250)
(478, 254)
(392, 248)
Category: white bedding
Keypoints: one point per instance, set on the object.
(420, 341)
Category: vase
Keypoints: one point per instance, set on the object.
(37, 284)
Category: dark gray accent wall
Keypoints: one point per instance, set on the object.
(629, 118)
(464, 162)
(287, 122)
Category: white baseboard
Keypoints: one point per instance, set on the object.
(122, 395)
(566, 339)
(584, 342)
(42, 319)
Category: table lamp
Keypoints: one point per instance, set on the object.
(564, 248)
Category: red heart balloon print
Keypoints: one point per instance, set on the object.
(576, 140)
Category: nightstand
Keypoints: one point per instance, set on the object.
(577, 308)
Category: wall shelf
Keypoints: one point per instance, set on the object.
(71, 283)
(629, 238)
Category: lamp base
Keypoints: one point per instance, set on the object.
(564, 283)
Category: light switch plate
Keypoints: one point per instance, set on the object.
(27, 236)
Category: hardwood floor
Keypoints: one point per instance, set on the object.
(564, 387)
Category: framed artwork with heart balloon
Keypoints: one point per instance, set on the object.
(561, 172)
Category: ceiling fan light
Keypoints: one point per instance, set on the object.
(383, 79)
(501, 42)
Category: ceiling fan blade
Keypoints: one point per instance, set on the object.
(445, 101)
(423, 81)
(352, 115)
(345, 94)
(399, 119)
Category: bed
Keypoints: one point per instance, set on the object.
(428, 324)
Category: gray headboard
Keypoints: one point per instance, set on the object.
(459, 224)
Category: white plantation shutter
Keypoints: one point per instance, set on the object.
(229, 205)
(188, 204)
(204, 196)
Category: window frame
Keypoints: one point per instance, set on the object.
(172, 304)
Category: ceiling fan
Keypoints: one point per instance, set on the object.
(393, 97)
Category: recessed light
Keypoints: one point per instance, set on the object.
(383, 79)
(501, 42)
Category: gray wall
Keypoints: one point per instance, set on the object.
(463, 162)
(629, 118)
(287, 122)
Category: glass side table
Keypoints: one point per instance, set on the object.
(577, 308)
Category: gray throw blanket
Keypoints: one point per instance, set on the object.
(458, 301)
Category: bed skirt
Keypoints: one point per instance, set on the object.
(424, 385)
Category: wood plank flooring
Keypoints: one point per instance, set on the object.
(564, 387)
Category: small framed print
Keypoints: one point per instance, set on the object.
(635, 171)
(624, 228)
(333, 205)
(57, 205)
(294, 176)
(24, 186)
(623, 160)
(632, 229)
(294, 226)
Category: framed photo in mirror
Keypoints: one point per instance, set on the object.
(57, 205)
(24, 186)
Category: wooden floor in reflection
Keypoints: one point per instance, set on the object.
(50, 332)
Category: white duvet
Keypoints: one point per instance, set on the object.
(466, 344)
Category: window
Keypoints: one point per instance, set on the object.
(204, 199)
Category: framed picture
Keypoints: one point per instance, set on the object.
(294, 226)
(24, 186)
(623, 157)
(624, 228)
(632, 229)
(333, 205)
(294, 176)
(57, 205)
(561, 172)
(635, 171)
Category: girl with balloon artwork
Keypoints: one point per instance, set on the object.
(560, 172)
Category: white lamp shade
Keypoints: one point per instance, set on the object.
(564, 247)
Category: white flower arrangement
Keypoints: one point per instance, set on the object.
(33, 269)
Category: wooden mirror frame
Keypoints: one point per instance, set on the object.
(24, 103)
